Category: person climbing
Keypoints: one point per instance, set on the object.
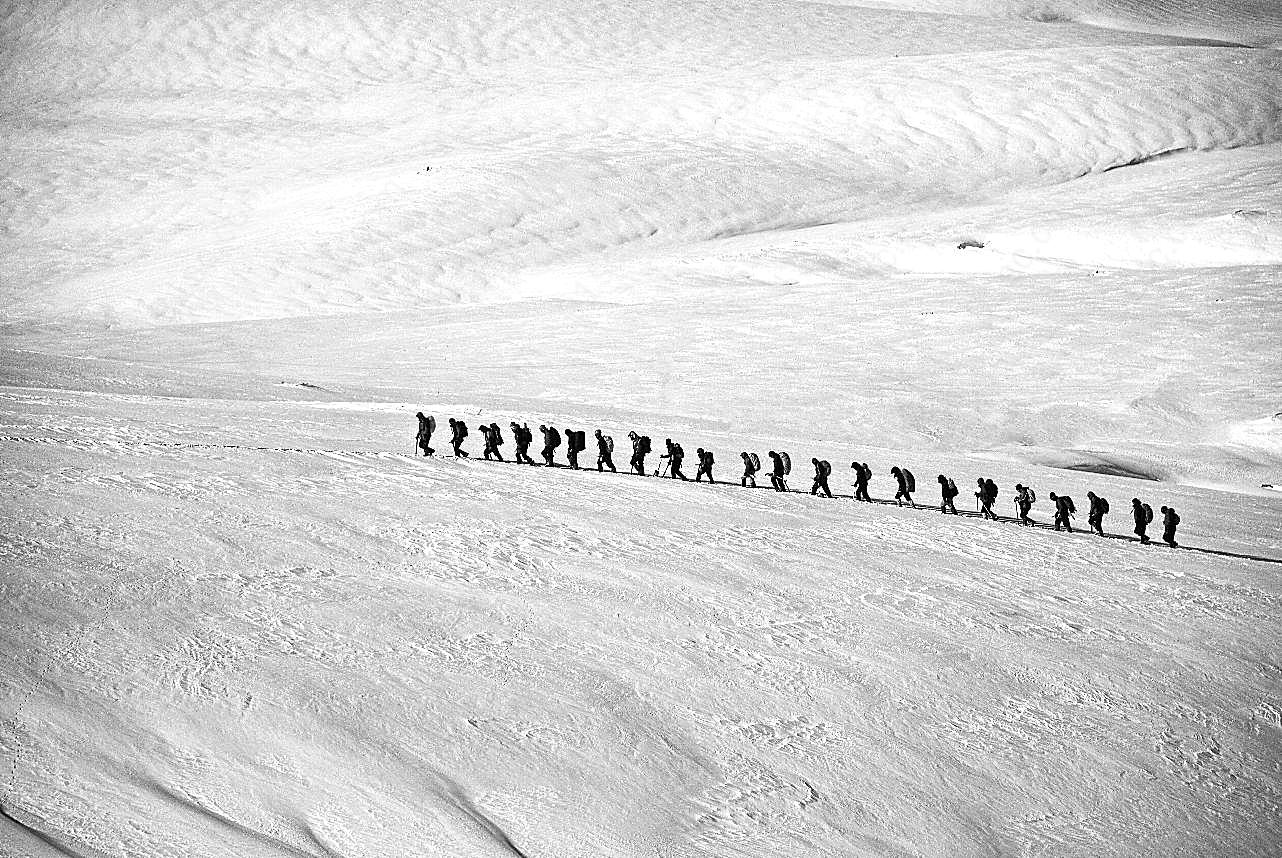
(986, 497)
(947, 494)
(522, 437)
(777, 472)
(551, 440)
(1065, 509)
(675, 456)
(705, 466)
(1170, 521)
(458, 432)
(640, 449)
(905, 481)
(751, 464)
(574, 444)
(423, 439)
(604, 452)
(1025, 497)
(823, 468)
(863, 474)
(493, 439)
(1099, 509)
(1143, 514)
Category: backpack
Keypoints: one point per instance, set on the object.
(910, 480)
(462, 429)
(707, 458)
(643, 444)
(1032, 495)
(580, 440)
(1148, 514)
(1103, 506)
(554, 437)
(1068, 502)
(497, 435)
(990, 489)
(677, 451)
(825, 468)
(787, 463)
(756, 461)
(609, 443)
(1175, 518)
(950, 489)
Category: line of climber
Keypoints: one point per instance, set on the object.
(780, 469)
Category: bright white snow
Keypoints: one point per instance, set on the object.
(243, 243)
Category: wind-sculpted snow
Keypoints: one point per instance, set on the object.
(240, 163)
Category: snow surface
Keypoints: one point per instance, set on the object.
(243, 243)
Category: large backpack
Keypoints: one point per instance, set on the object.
(1103, 506)
(707, 458)
(756, 461)
(1032, 495)
(787, 463)
(1068, 502)
(866, 470)
(554, 437)
(825, 468)
(1175, 518)
(677, 451)
(496, 434)
(1148, 514)
(643, 445)
(950, 489)
(462, 429)
(910, 480)
(580, 440)
(990, 489)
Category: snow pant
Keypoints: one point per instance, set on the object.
(603, 460)
(523, 454)
(947, 506)
(1061, 518)
(547, 455)
(572, 455)
(821, 483)
(638, 463)
(903, 493)
(749, 477)
(778, 483)
(704, 470)
(861, 492)
(986, 508)
(1096, 522)
(1141, 530)
(1168, 536)
(457, 444)
(492, 450)
(424, 444)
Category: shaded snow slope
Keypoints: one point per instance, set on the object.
(1249, 22)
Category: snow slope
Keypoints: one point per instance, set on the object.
(243, 243)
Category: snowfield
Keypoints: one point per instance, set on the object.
(244, 243)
